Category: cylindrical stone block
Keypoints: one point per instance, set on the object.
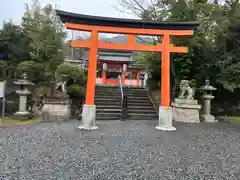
(207, 106)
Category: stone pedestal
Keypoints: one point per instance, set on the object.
(88, 117)
(165, 119)
(22, 113)
(185, 110)
(56, 108)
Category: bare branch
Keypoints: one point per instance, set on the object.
(148, 9)
(139, 4)
(135, 7)
(124, 11)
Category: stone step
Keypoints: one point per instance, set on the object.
(108, 102)
(108, 118)
(116, 103)
(130, 111)
(141, 111)
(129, 97)
(117, 116)
(117, 87)
(129, 107)
(119, 93)
(118, 90)
(120, 96)
(108, 115)
(109, 110)
(143, 117)
(130, 100)
(124, 87)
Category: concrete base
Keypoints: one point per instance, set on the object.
(208, 118)
(165, 128)
(88, 117)
(165, 119)
(22, 115)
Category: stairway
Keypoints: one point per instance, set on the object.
(108, 102)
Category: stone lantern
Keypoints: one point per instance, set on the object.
(207, 97)
(23, 92)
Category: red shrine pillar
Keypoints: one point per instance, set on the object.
(138, 78)
(89, 108)
(165, 110)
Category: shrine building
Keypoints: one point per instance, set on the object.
(111, 64)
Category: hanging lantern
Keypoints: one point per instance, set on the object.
(124, 67)
(105, 66)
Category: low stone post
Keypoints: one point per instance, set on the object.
(104, 73)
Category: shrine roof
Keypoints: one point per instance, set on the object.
(115, 53)
(119, 57)
(120, 22)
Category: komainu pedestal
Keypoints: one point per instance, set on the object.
(186, 110)
(56, 108)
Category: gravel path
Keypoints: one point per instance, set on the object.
(131, 150)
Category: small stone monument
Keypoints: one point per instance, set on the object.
(207, 96)
(23, 92)
(57, 105)
(185, 108)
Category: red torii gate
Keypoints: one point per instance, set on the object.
(131, 27)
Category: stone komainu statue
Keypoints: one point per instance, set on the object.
(186, 92)
(60, 84)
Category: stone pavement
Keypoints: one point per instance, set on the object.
(131, 150)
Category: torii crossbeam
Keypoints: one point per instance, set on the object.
(131, 28)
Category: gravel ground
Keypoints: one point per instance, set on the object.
(120, 150)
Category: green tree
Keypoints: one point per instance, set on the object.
(199, 62)
(75, 79)
(46, 35)
(140, 60)
(13, 44)
(228, 46)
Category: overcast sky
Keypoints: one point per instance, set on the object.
(14, 9)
